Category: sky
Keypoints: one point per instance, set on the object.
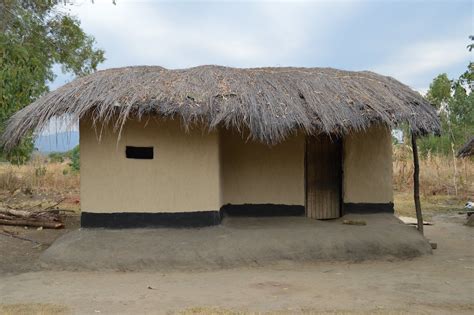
(413, 41)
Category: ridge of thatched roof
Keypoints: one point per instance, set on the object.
(270, 102)
(467, 149)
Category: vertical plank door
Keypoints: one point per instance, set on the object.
(323, 168)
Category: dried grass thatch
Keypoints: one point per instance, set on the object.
(270, 102)
(467, 149)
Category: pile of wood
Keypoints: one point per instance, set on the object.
(44, 219)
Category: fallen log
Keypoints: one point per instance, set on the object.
(45, 219)
(6, 216)
(57, 211)
(34, 223)
(41, 215)
(17, 213)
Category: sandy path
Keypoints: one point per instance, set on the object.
(441, 283)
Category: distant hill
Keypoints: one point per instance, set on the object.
(60, 142)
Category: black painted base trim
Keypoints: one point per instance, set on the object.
(368, 207)
(144, 220)
(262, 210)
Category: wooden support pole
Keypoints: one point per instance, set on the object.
(416, 183)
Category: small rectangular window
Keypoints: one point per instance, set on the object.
(141, 153)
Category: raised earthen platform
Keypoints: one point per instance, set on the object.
(237, 242)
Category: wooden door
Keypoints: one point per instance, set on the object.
(323, 165)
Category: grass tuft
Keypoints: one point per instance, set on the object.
(33, 309)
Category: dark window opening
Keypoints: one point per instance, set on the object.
(141, 153)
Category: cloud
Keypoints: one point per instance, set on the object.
(141, 33)
(422, 90)
(417, 60)
(187, 34)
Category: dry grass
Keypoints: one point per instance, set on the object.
(38, 185)
(32, 309)
(437, 174)
(441, 188)
(38, 176)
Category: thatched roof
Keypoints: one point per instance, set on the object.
(270, 102)
(467, 149)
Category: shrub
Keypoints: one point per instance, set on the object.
(57, 157)
(75, 159)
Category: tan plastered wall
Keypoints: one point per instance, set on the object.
(183, 176)
(255, 173)
(201, 171)
(368, 166)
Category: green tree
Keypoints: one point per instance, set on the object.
(35, 35)
(440, 90)
(455, 103)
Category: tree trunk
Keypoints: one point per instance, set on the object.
(416, 183)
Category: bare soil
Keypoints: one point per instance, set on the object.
(442, 283)
(22, 255)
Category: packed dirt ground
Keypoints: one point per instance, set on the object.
(441, 283)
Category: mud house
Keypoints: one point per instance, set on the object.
(184, 147)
